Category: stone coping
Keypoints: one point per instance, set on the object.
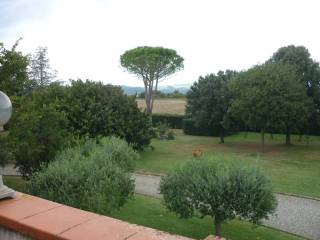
(45, 220)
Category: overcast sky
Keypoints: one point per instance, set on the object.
(85, 38)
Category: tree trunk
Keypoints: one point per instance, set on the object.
(262, 137)
(271, 136)
(288, 139)
(217, 226)
(147, 97)
(148, 102)
(222, 135)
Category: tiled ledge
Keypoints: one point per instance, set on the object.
(45, 220)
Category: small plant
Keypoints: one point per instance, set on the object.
(171, 135)
(162, 130)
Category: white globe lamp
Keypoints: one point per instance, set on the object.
(5, 115)
(5, 109)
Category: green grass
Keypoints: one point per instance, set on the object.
(150, 212)
(16, 183)
(294, 169)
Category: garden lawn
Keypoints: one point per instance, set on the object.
(150, 212)
(294, 169)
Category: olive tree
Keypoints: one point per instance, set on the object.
(223, 190)
(151, 64)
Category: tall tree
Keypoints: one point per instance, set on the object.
(309, 73)
(13, 71)
(40, 71)
(209, 99)
(270, 97)
(151, 64)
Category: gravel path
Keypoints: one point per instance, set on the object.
(9, 170)
(300, 216)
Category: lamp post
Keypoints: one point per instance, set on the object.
(5, 114)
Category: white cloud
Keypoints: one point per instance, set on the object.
(85, 38)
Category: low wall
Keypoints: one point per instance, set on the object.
(41, 219)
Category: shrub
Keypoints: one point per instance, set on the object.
(111, 149)
(91, 176)
(174, 121)
(218, 189)
(5, 151)
(171, 135)
(190, 128)
(163, 132)
(37, 131)
(161, 129)
(95, 109)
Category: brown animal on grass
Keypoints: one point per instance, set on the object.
(196, 153)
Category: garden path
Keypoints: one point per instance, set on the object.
(296, 215)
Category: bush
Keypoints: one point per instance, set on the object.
(91, 176)
(163, 132)
(37, 131)
(103, 149)
(174, 121)
(171, 135)
(5, 151)
(190, 128)
(94, 109)
(161, 129)
(218, 189)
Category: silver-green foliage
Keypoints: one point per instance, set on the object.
(218, 189)
(92, 176)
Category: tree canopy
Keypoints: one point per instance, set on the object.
(219, 189)
(209, 99)
(269, 97)
(40, 71)
(37, 131)
(308, 71)
(151, 64)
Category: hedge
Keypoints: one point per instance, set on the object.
(189, 128)
(174, 121)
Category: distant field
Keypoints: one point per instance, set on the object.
(169, 106)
